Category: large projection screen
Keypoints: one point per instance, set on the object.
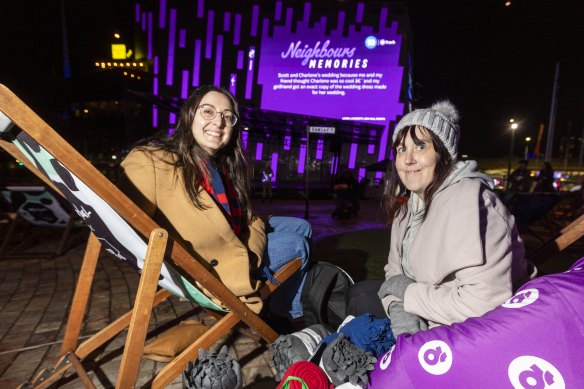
(349, 73)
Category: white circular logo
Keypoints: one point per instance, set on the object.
(386, 360)
(529, 372)
(522, 298)
(435, 357)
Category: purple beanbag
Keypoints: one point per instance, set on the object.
(533, 340)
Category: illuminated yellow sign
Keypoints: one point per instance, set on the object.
(118, 51)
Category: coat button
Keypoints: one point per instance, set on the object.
(214, 262)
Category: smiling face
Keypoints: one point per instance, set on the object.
(416, 161)
(212, 135)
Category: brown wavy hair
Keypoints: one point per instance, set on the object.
(191, 160)
(395, 190)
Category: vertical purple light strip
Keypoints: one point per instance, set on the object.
(149, 35)
(240, 59)
(360, 9)
(371, 146)
(382, 18)
(155, 86)
(182, 38)
(137, 12)
(244, 135)
(259, 151)
(143, 21)
(306, 16)
(287, 141)
(172, 118)
(162, 15)
(249, 73)
(319, 149)
(278, 11)
(196, 62)
(171, 42)
(340, 22)
(200, 8)
(302, 157)
(333, 163)
(154, 116)
(362, 173)
(209, 35)
(227, 21)
(353, 155)
(274, 166)
(255, 13)
(233, 83)
(155, 70)
(289, 14)
(236, 29)
(218, 57)
(184, 89)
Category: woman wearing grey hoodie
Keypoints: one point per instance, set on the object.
(455, 251)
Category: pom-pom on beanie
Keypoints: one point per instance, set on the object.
(441, 118)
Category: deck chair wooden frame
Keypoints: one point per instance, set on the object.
(19, 123)
(17, 219)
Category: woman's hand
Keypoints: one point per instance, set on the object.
(404, 322)
(395, 286)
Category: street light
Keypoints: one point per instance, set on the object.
(513, 128)
(527, 140)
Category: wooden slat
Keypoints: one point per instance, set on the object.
(80, 370)
(142, 310)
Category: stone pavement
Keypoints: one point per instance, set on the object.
(35, 295)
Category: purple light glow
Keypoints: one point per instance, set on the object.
(306, 16)
(249, 73)
(218, 57)
(259, 151)
(155, 70)
(182, 38)
(278, 11)
(255, 20)
(371, 148)
(170, 131)
(360, 9)
(319, 149)
(137, 12)
(200, 8)
(353, 155)
(237, 29)
(184, 89)
(149, 35)
(378, 175)
(362, 173)
(227, 21)
(171, 41)
(383, 18)
(209, 34)
(340, 22)
(274, 166)
(302, 158)
(171, 118)
(154, 116)
(287, 141)
(232, 83)
(196, 62)
(143, 21)
(333, 165)
(162, 15)
(155, 86)
(240, 59)
(244, 135)
(289, 15)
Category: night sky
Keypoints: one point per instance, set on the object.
(493, 62)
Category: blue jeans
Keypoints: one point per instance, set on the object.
(288, 238)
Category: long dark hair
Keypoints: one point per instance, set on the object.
(395, 189)
(192, 161)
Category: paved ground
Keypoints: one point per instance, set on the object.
(35, 295)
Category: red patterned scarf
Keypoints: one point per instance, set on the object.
(227, 199)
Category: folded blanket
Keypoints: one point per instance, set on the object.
(213, 371)
(344, 362)
(298, 346)
(303, 374)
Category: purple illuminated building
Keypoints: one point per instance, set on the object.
(290, 64)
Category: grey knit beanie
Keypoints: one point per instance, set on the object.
(441, 118)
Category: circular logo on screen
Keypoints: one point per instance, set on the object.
(371, 42)
(528, 372)
(386, 360)
(522, 298)
(435, 357)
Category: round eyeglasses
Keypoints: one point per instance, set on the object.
(208, 112)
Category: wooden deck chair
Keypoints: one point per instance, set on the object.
(34, 206)
(564, 238)
(120, 227)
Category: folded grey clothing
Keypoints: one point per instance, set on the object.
(298, 346)
(344, 362)
(213, 371)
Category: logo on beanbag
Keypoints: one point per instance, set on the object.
(435, 357)
(529, 372)
(522, 298)
(386, 360)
